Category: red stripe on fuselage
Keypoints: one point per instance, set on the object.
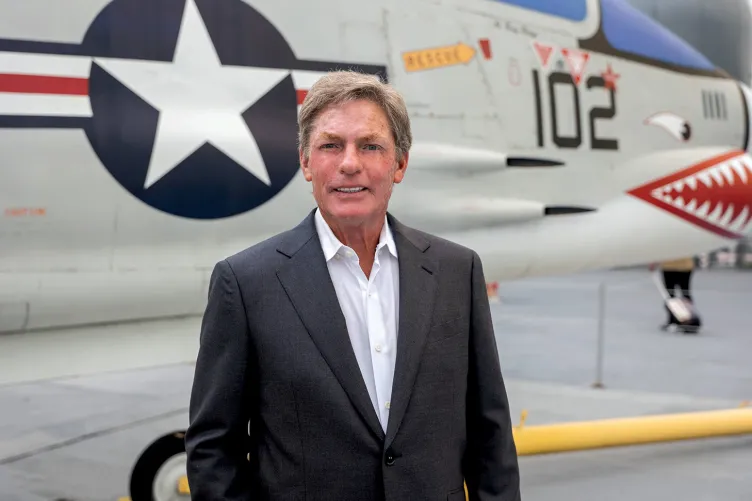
(38, 84)
(301, 95)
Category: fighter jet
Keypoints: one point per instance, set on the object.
(144, 140)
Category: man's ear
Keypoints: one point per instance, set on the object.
(304, 165)
(399, 174)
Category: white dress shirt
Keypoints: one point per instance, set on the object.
(371, 309)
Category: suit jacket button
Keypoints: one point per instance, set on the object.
(389, 458)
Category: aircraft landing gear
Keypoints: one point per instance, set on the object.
(159, 472)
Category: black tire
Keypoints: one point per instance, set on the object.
(150, 461)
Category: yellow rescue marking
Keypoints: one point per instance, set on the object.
(25, 211)
(125, 499)
(438, 57)
(183, 486)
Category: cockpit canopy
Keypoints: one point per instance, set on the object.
(626, 29)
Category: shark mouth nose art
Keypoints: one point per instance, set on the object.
(715, 194)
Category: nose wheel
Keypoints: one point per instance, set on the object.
(160, 472)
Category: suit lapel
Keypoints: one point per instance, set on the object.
(306, 280)
(417, 296)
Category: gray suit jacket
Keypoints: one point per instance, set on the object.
(275, 352)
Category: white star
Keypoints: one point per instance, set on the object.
(198, 99)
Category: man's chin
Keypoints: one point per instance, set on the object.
(354, 215)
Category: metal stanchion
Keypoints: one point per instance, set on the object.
(601, 335)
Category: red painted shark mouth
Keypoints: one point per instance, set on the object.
(715, 194)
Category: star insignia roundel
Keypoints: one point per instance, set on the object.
(192, 104)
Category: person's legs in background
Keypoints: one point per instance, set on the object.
(682, 280)
(670, 281)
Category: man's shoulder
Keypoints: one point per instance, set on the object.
(270, 252)
(434, 244)
(260, 252)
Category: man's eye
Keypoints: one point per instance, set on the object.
(372, 147)
(328, 145)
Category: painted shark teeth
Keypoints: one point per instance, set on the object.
(747, 162)
(715, 216)
(702, 212)
(726, 219)
(715, 172)
(718, 197)
(741, 221)
(728, 175)
(740, 170)
(705, 178)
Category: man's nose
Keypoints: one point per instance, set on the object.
(350, 160)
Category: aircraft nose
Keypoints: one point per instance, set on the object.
(747, 93)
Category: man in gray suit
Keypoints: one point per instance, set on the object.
(350, 358)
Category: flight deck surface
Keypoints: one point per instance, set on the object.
(76, 438)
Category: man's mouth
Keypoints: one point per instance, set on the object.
(355, 189)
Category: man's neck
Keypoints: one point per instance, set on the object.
(361, 238)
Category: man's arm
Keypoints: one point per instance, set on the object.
(217, 436)
(490, 464)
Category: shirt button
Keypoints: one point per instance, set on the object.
(388, 405)
(378, 348)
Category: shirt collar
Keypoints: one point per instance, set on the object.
(331, 245)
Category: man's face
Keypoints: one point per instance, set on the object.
(352, 162)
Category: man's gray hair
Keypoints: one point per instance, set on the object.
(342, 86)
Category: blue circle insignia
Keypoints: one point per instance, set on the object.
(141, 143)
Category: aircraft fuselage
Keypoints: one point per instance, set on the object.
(145, 140)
